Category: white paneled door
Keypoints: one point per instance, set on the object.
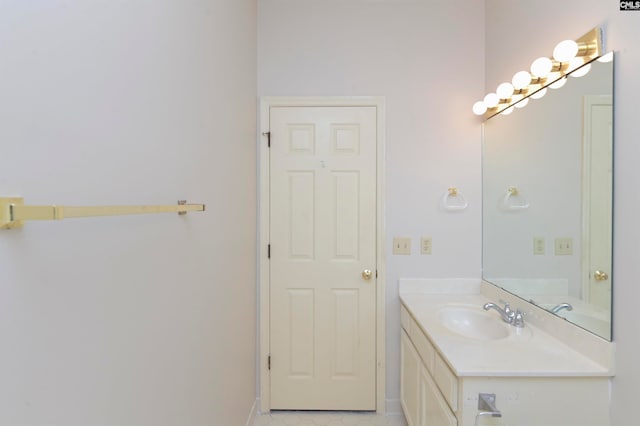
(323, 258)
(597, 195)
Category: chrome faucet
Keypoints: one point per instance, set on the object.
(505, 313)
(562, 306)
(515, 318)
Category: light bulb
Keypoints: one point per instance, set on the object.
(521, 79)
(507, 111)
(541, 67)
(479, 108)
(540, 93)
(523, 103)
(582, 71)
(505, 90)
(491, 100)
(606, 58)
(574, 64)
(558, 83)
(553, 76)
(565, 51)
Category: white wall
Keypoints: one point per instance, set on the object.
(144, 320)
(533, 32)
(426, 59)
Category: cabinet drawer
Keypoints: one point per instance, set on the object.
(447, 382)
(423, 345)
(405, 318)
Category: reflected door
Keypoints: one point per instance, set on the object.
(597, 180)
(323, 258)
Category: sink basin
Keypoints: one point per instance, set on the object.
(473, 323)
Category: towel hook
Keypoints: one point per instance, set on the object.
(454, 200)
(512, 194)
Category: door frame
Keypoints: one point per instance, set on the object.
(263, 235)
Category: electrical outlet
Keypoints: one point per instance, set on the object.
(471, 400)
(512, 397)
(563, 246)
(401, 245)
(425, 245)
(538, 245)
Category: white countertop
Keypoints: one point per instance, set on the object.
(527, 352)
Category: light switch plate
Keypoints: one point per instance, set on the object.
(538, 245)
(563, 246)
(401, 245)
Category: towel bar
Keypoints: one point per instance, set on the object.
(13, 212)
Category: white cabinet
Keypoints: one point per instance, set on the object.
(434, 409)
(433, 395)
(410, 369)
(422, 401)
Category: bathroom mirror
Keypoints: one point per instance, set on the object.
(547, 200)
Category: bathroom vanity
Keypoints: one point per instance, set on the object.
(452, 350)
(546, 253)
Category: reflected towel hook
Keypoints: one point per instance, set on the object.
(508, 201)
(454, 200)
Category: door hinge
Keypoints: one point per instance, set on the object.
(268, 251)
(268, 135)
(269, 362)
(376, 273)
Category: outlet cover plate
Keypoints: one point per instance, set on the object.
(425, 245)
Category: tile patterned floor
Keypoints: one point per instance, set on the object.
(327, 418)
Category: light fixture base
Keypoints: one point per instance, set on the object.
(591, 47)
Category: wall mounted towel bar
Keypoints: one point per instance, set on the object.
(13, 212)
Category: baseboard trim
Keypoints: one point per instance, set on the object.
(253, 413)
(393, 407)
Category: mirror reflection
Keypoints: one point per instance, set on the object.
(547, 200)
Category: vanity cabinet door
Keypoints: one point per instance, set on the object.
(446, 381)
(410, 367)
(434, 410)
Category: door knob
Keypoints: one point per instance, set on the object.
(600, 276)
(367, 273)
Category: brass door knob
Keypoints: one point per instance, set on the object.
(600, 276)
(367, 274)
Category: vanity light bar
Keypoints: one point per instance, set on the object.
(568, 56)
